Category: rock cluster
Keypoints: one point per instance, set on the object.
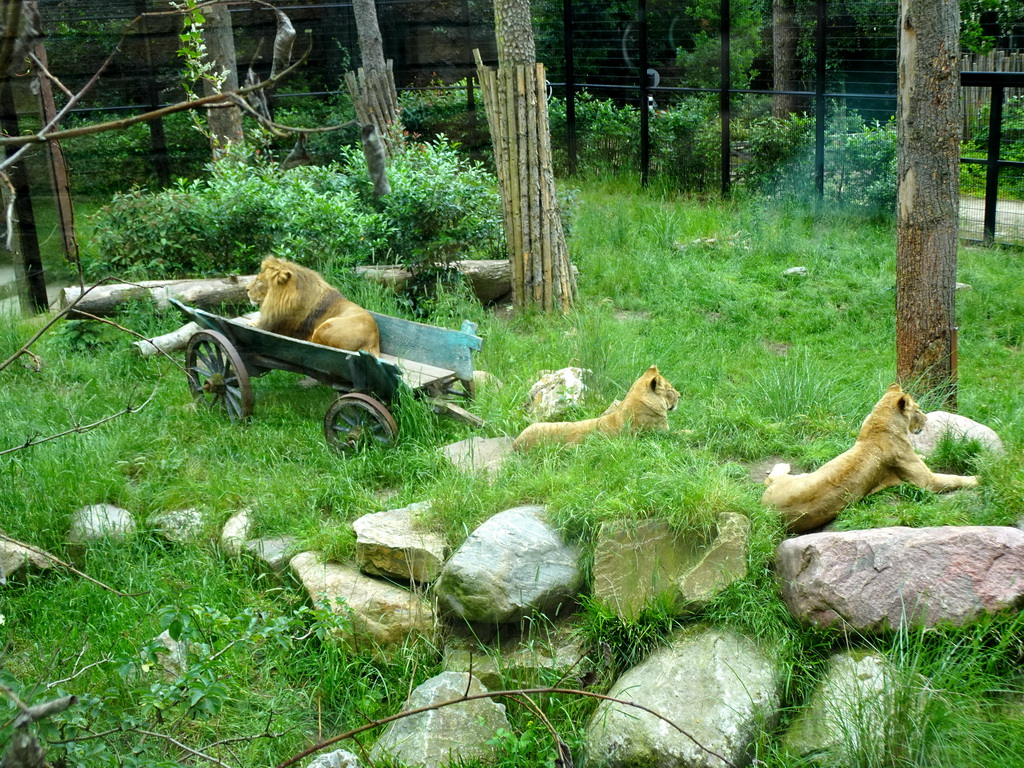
(502, 598)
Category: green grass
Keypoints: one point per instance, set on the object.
(767, 366)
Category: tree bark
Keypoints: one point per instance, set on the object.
(225, 122)
(928, 197)
(371, 44)
(372, 86)
(784, 38)
(514, 32)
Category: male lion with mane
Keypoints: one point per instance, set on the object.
(881, 457)
(645, 406)
(295, 301)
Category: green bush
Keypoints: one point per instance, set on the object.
(860, 161)
(109, 162)
(608, 139)
(441, 206)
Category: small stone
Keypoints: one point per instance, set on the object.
(395, 544)
(99, 521)
(179, 525)
(798, 271)
(236, 531)
(479, 454)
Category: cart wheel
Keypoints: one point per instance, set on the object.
(217, 376)
(356, 420)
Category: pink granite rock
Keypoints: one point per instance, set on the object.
(882, 578)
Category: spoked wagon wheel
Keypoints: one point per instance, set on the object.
(356, 420)
(217, 376)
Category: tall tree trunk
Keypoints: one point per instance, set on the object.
(225, 122)
(373, 88)
(515, 96)
(371, 44)
(929, 114)
(514, 32)
(784, 37)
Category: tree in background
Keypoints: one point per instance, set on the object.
(785, 35)
(516, 101)
(225, 122)
(928, 196)
(373, 87)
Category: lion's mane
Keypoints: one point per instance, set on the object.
(882, 456)
(645, 406)
(296, 301)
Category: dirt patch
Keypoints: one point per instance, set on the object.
(757, 471)
(780, 348)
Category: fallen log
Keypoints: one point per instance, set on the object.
(103, 300)
(490, 279)
(175, 340)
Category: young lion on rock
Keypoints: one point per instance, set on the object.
(295, 301)
(645, 406)
(881, 457)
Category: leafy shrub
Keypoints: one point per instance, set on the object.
(441, 206)
(104, 163)
(860, 163)
(865, 168)
(776, 146)
(973, 175)
(682, 139)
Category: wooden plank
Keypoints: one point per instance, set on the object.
(439, 347)
(419, 375)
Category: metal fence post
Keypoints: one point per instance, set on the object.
(724, 100)
(821, 49)
(995, 136)
(645, 113)
(570, 84)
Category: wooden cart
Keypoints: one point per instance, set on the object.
(435, 364)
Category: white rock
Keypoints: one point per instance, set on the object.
(555, 392)
(236, 531)
(941, 423)
(99, 521)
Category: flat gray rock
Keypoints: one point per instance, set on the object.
(397, 545)
(479, 454)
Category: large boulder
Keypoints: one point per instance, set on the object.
(15, 557)
(272, 552)
(396, 544)
(179, 526)
(886, 578)
(379, 611)
(99, 521)
(634, 564)
(852, 712)
(555, 392)
(514, 565)
(718, 687)
(942, 424)
(236, 531)
(439, 736)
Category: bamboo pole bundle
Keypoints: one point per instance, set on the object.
(516, 101)
(375, 100)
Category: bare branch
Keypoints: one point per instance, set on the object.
(181, 746)
(71, 568)
(83, 670)
(80, 428)
(512, 694)
(216, 99)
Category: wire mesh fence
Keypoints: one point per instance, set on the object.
(795, 97)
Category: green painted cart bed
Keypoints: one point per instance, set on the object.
(435, 364)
